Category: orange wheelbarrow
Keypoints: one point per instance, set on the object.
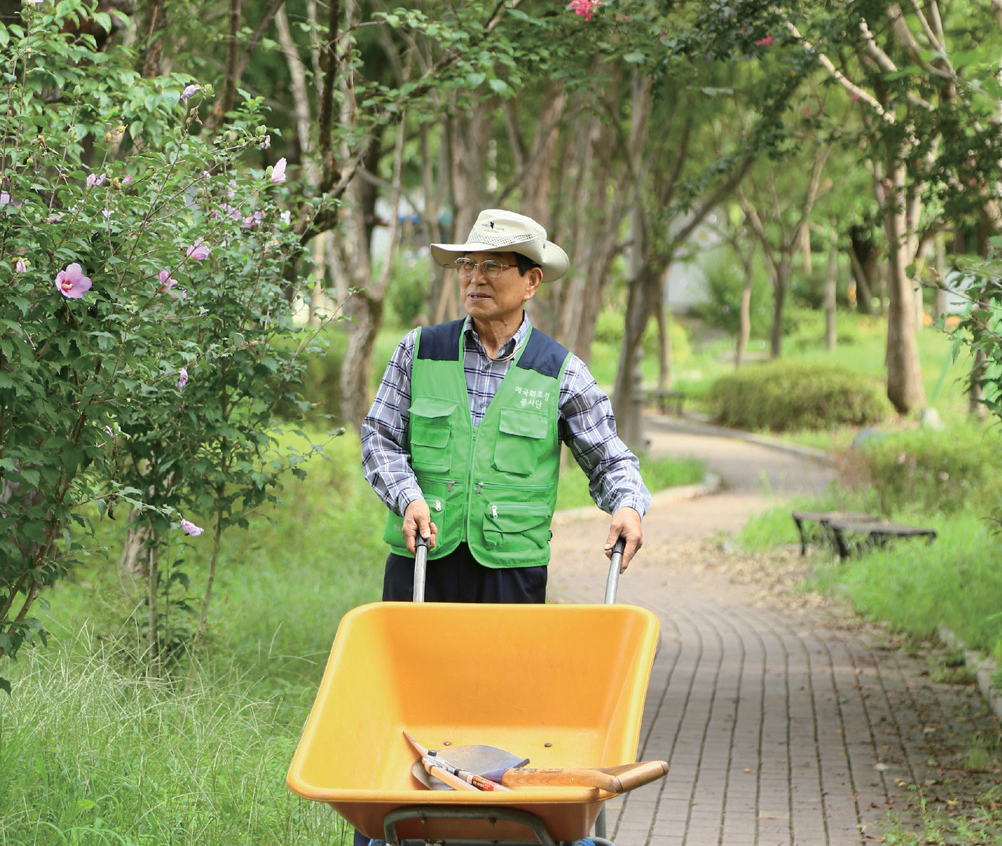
(561, 685)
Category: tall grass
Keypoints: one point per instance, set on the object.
(955, 582)
(91, 753)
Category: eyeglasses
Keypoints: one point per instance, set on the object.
(490, 268)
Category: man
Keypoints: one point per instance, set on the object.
(462, 441)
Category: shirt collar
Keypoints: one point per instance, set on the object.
(509, 346)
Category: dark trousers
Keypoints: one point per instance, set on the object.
(458, 577)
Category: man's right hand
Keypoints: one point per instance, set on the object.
(417, 521)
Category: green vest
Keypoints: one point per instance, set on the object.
(494, 486)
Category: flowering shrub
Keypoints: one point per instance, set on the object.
(145, 327)
(585, 8)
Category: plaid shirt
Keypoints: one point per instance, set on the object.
(586, 425)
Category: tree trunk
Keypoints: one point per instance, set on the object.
(534, 177)
(366, 307)
(467, 138)
(939, 295)
(831, 286)
(627, 395)
(231, 76)
(744, 328)
(152, 24)
(663, 316)
(778, 304)
(863, 259)
(904, 372)
(588, 150)
(434, 190)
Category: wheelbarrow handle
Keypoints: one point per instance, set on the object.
(420, 567)
(612, 583)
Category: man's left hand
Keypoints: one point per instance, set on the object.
(626, 525)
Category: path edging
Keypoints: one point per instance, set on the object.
(985, 670)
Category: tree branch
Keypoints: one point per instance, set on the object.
(841, 78)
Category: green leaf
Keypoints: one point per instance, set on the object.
(498, 86)
(31, 476)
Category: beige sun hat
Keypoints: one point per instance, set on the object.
(497, 230)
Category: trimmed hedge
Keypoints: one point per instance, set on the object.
(782, 396)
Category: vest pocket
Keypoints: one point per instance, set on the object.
(512, 527)
(520, 441)
(431, 434)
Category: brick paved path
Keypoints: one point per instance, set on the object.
(783, 722)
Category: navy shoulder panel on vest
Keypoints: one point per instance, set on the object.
(543, 354)
(441, 342)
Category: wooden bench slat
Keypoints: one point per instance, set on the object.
(842, 527)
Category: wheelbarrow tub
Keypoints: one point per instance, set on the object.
(562, 685)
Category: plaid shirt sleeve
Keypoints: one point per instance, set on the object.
(589, 430)
(385, 459)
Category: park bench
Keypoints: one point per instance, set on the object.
(670, 402)
(850, 532)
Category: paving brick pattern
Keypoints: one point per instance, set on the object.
(780, 725)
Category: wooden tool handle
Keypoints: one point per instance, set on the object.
(560, 777)
(617, 779)
(638, 774)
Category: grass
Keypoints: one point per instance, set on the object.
(954, 582)
(946, 822)
(93, 753)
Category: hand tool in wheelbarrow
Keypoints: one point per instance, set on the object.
(433, 764)
(508, 770)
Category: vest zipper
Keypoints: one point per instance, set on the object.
(469, 493)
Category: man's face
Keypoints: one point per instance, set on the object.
(499, 300)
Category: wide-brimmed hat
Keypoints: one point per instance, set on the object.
(497, 230)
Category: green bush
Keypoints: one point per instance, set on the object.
(935, 471)
(782, 396)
